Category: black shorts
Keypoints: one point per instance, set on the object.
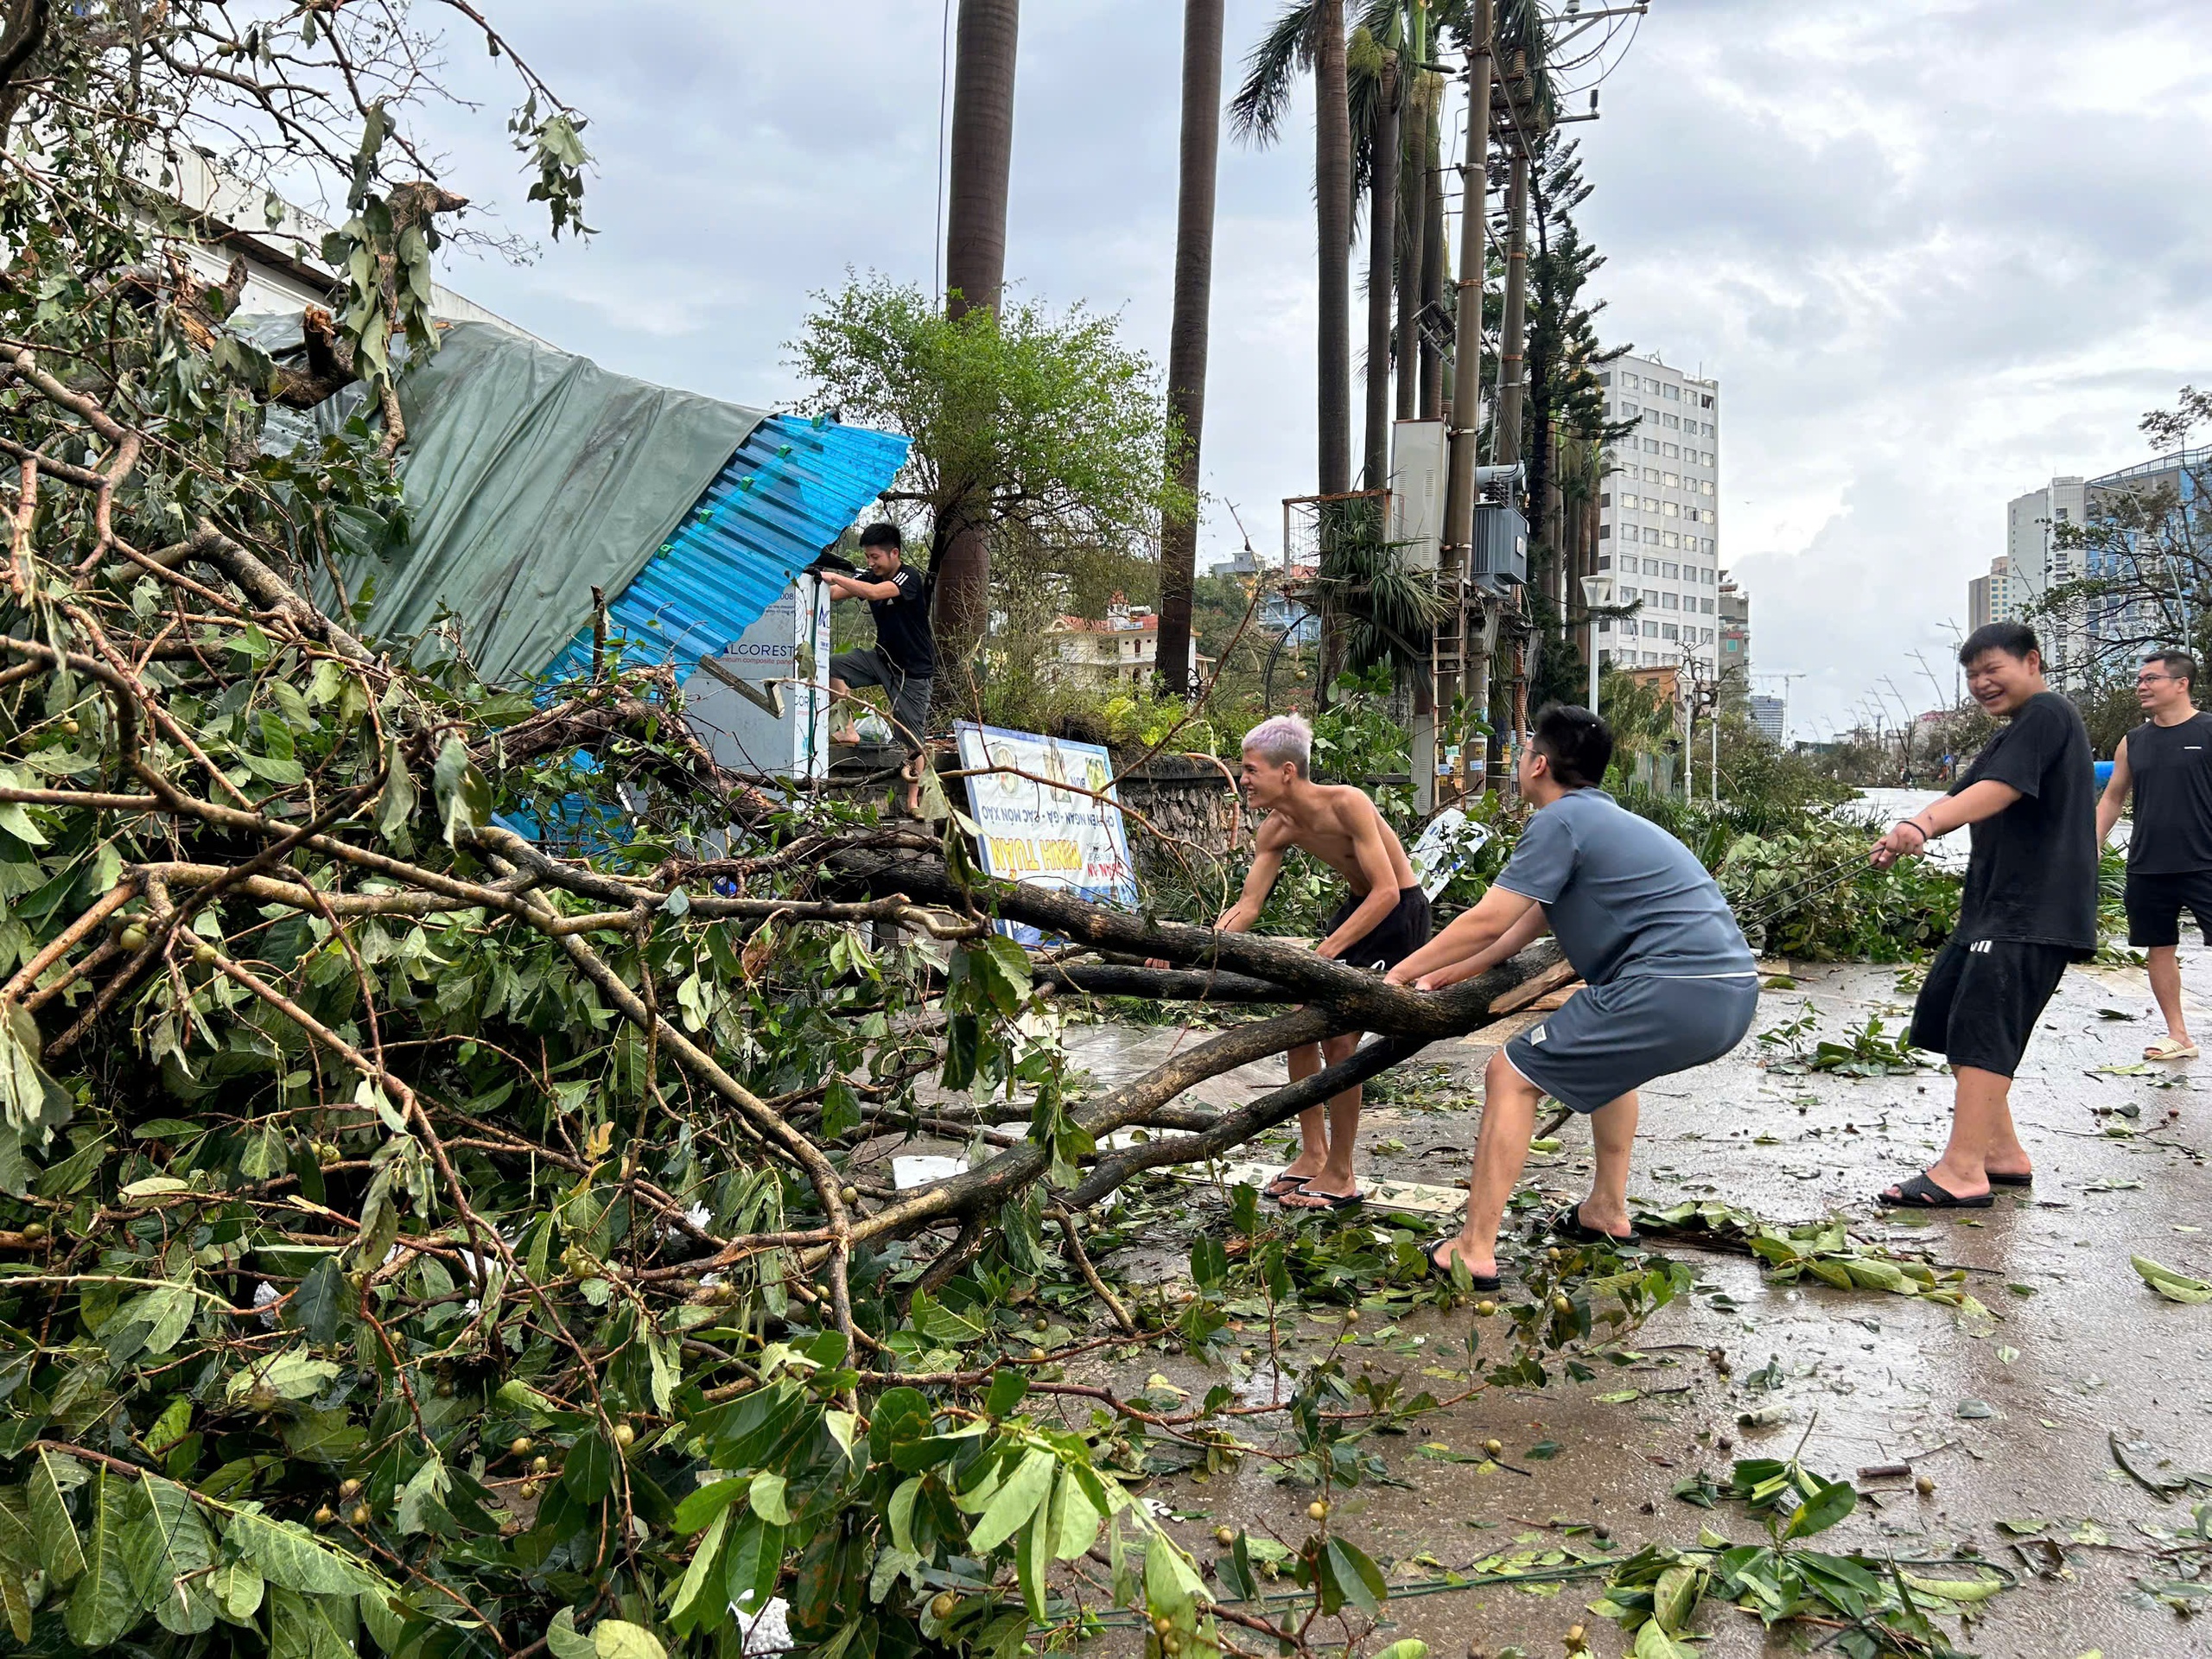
(1981, 1001)
(2155, 904)
(1401, 933)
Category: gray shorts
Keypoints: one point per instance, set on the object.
(910, 696)
(1611, 1038)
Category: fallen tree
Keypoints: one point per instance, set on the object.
(421, 1238)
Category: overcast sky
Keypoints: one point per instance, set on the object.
(1935, 250)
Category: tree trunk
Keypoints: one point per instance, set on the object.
(1513, 337)
(975, 275)
(1433, 274)
(1332, 213)
(1187, 333)
(1381, 263)
(1413, 213)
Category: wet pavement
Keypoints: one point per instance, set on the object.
(2012, 1414)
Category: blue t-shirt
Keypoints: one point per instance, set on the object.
(1624, 899)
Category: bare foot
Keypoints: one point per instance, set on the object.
(1457, 1252)
(1613, 1223)
(1321, 1190)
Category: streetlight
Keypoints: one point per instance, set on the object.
(1597, 595)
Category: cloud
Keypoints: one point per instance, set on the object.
(1935, 252)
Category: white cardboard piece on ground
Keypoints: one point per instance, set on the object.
(1413, 1198)
(920, 1169)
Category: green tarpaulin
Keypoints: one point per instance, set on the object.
(531, 477)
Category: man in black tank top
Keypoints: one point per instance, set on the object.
(2167, 763)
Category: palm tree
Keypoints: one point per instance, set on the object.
(1310, 34)
(1382, 252)
(1332, 213)
(1187, 333)
(974, 271)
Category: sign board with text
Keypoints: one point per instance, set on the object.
(1046, 813)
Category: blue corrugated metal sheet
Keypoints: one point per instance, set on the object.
(794, 487)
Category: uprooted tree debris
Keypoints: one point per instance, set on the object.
(419, 1241)
(419, 1238)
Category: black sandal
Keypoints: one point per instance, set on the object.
(1920, 1193)
(1486, 1281)
(2028, 1180)
(1568, 1224)
(1285, 1183)
(1329, 1201)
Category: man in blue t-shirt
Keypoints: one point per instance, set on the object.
(1670, 982)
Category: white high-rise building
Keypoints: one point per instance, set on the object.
(1658, 520)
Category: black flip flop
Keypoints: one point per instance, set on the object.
(1920, 1193)
(1568, 1224)
(1275, 1190)
(1482, 1281)
(1995, 1179)
(1329, 1201)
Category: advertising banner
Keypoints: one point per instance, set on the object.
(1032, 830)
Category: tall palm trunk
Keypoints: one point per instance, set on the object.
(1413, 201)
(975, 275)
(1332, 211)
(1381, 263)
(1187, 333)
(1433, 275)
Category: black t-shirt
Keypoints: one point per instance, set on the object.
(2169, 770)
(902, 626)
(2033, 876)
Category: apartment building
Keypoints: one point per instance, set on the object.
(1989, 599)
(1658, 520)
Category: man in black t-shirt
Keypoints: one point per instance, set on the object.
(2167, 763)
(903, 660)
(2029, 907)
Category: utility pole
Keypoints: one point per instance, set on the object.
(1461, 665)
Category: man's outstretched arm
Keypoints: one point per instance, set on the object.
(1471, 936)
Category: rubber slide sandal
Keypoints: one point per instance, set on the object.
(1920, 1193)
(1482, 1281)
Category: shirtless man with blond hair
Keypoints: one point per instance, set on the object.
(1385, 920)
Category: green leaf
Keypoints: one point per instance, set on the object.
(1209, 1263)
(615, 1638)
(754, 1560)
(291, 1557)
(292, 1375)
(767, 1498)
(310, 1627)
(1825, 1505)
(169, 1554)
(561, 1636)
(59, 1549)
(397, 805)
(1014, 1502)
(588, 1473)
(1410, 1648)
(103, 1605)
(464, 798)
(1032, 1561)
(704, 1505)
(699, 1574)
(316, 1304)
(1008, 1388)
(1356, 1576)
(1075, 1518)
(421, 1500)
(1676, 1596)
(237, 1587)
(2174, 1286)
